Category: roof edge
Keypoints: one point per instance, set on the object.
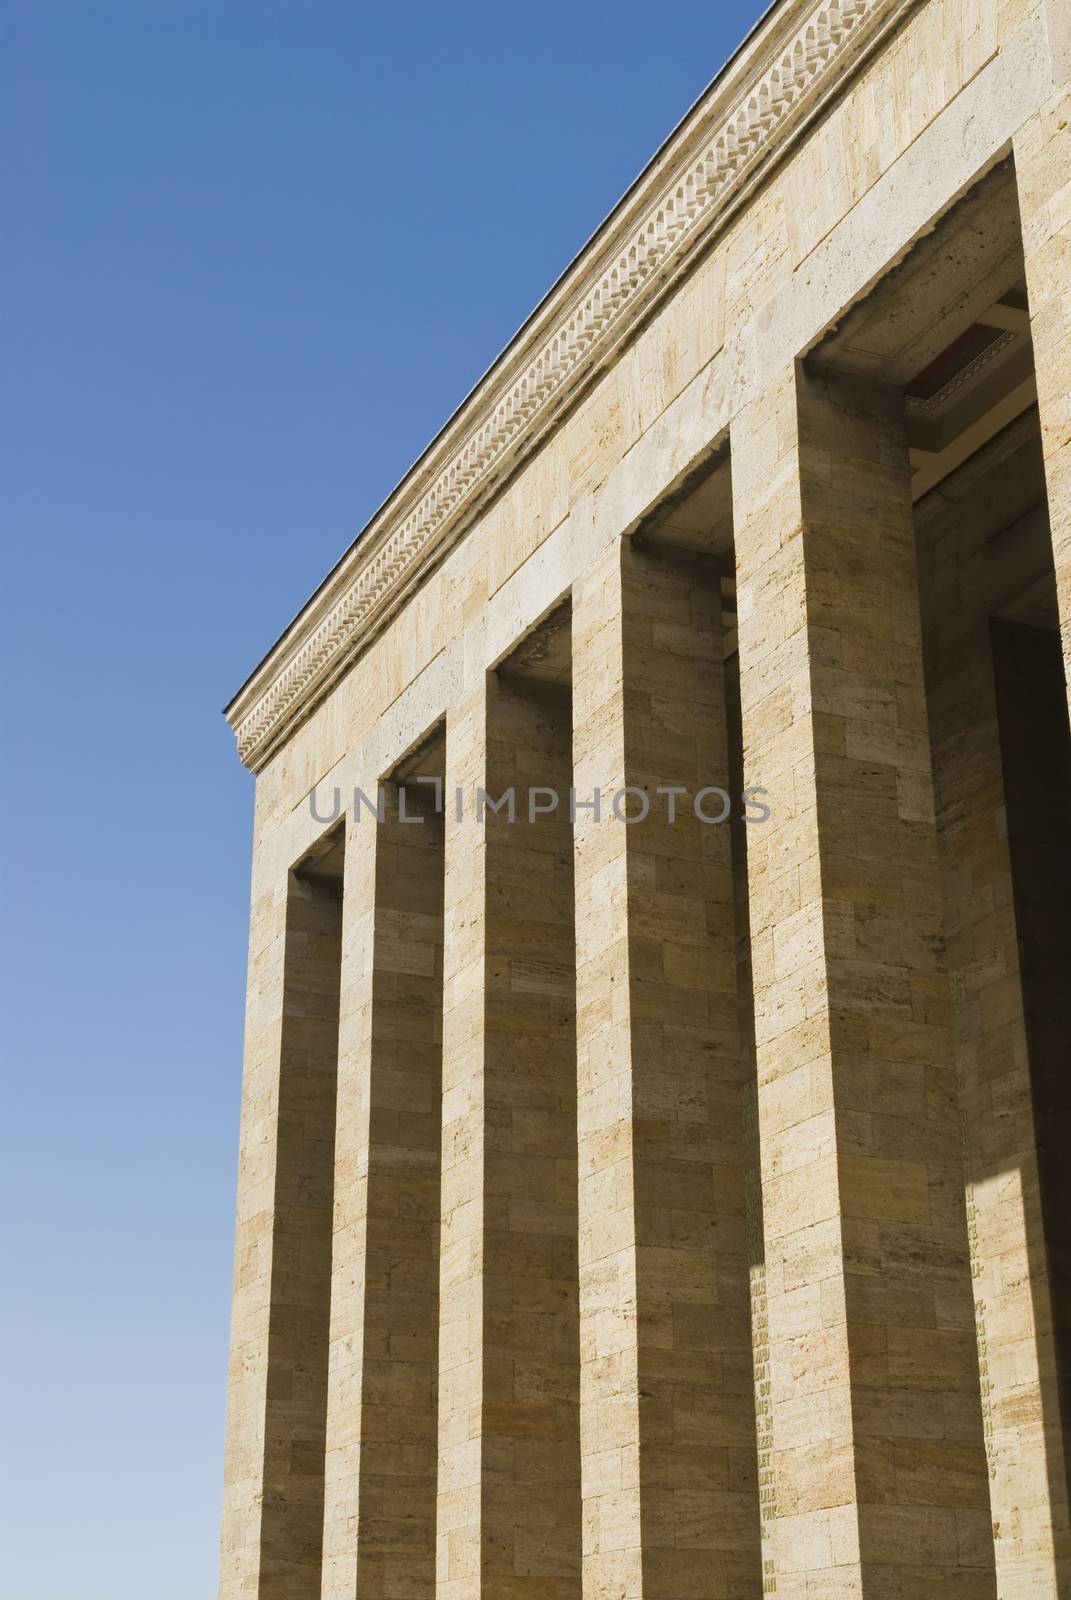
(793, 62)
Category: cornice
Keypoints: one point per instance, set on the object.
(788, 70)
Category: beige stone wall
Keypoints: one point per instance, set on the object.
(696, 1407)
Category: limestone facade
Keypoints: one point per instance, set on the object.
(663, 1197)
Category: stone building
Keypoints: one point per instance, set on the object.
(677, 1208)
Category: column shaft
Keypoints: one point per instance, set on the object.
(381, 1434)
(461, 1254)
(509, 1501)
(961, 572)
(667, 1408)
(1042, 150)
(274, 1495)
(349, 1236)
(878, 1459)
(247, 1375)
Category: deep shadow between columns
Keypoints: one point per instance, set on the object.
(1036, 761)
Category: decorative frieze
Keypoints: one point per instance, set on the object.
(793, 66)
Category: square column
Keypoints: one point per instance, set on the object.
(1042, 151)
(879, 1471)
(667, 1399)
(509, 1462)
(1024, 1441)
(379, 1528)
(459, 1525)
(349, 1235)
(1042, 154)
(243, 1481)
(274, 1468)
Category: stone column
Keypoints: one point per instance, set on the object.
(962, 573)
(247, 1376)
(274, 1473)
(379, 1529)
(1042, 150)
(879, 1472)
(349, 1237)
(509, 1479)
(667, 1405)
(459, 1507)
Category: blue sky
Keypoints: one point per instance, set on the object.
(254, 256)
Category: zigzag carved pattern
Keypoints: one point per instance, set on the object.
(693, 201)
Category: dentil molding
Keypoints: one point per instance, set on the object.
(791, 66)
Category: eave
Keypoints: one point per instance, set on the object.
(789, 69)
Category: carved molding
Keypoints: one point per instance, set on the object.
(795, 62)
(976, 365)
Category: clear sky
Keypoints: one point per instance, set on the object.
(254, 254)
